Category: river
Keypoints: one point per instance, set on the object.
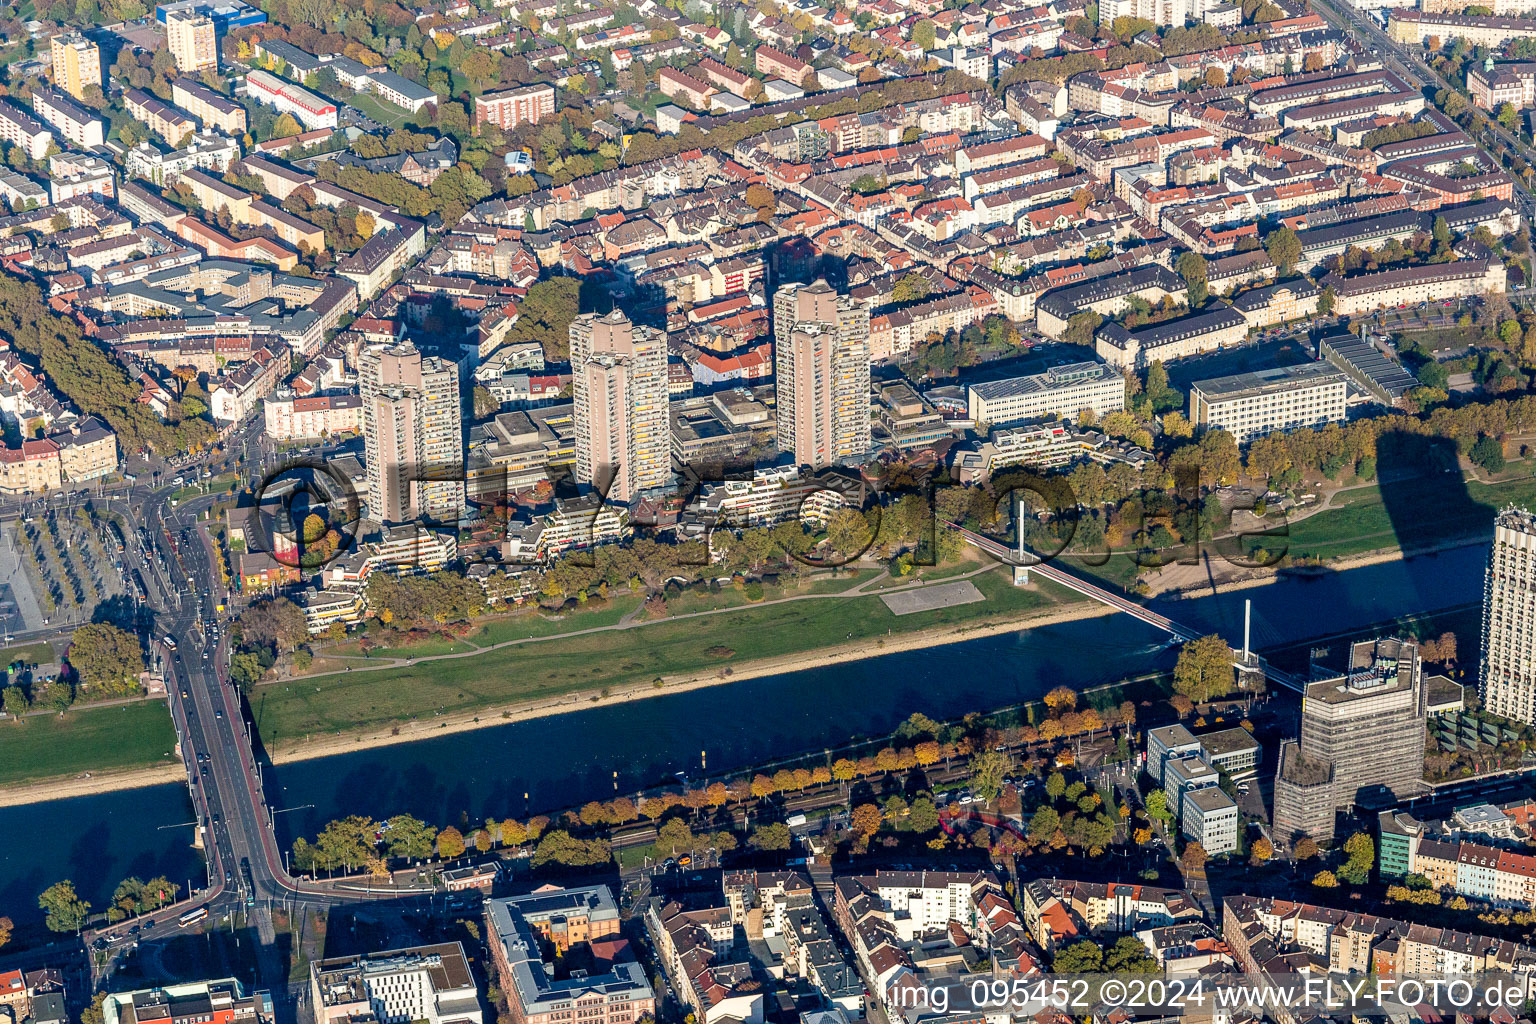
(570, 758)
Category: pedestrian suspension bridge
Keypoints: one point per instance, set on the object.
(1025, 563)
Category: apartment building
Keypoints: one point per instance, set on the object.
(1159, 12)
(1057, 909)
(208, 152)
(73, 122)
(1250, 405)
(410, 547)
(619, 387)
(1507, 675)
(1413, 27)
(398, 90)
(433, 984)
(1503, 876)
(164, 120)
(213, 110)
(193, 41)
(1278, 303)
(773, 63)
(1412, 285)
(1275, 937)
(894, 919)
(289, 417)
(695, 946)
(413, 433)
(684, 88)
(509, 108)
(821, 342)
(1512, 82)
(221, 1000)
(383, 256)
(1059, 393)
(773, 495)
(21, 129)
(1108, 296)
(76, 63)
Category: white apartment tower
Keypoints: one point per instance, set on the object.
(821, 348)
(1159, 12)
(413, 433)
(193, 41)
(619, 388)
(1507, 683)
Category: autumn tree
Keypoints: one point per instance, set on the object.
(409, 837)
(1061, 699)
(107, 659)
(866, 819)
(1192, 269)
(450, 843)
(1261, 850)
(63, 909)
(771, 837)
(761, 198)
(1194, 857)
(1284, 249)
(988, 769)
(1204, 669)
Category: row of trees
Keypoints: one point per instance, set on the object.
(86, 374)
(357, 842)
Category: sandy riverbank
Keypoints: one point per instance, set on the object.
(1230, 578)
(93, 784)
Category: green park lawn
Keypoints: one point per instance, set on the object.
(27, 654)
(1360, 521)
(287, 713)
(532, 623)
(387, 114)
(137, 735)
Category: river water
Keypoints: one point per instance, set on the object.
(571, 758)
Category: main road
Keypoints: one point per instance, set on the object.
(235, 822)
(1411, 66)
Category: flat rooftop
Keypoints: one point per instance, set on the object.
(1264, 382)
(1228, 741)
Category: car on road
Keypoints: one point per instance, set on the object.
(169, 641)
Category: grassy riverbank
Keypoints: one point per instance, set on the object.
(95, 740)
(676, 649)
(1363, 520)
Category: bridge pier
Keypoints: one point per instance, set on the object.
(1020, 567)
